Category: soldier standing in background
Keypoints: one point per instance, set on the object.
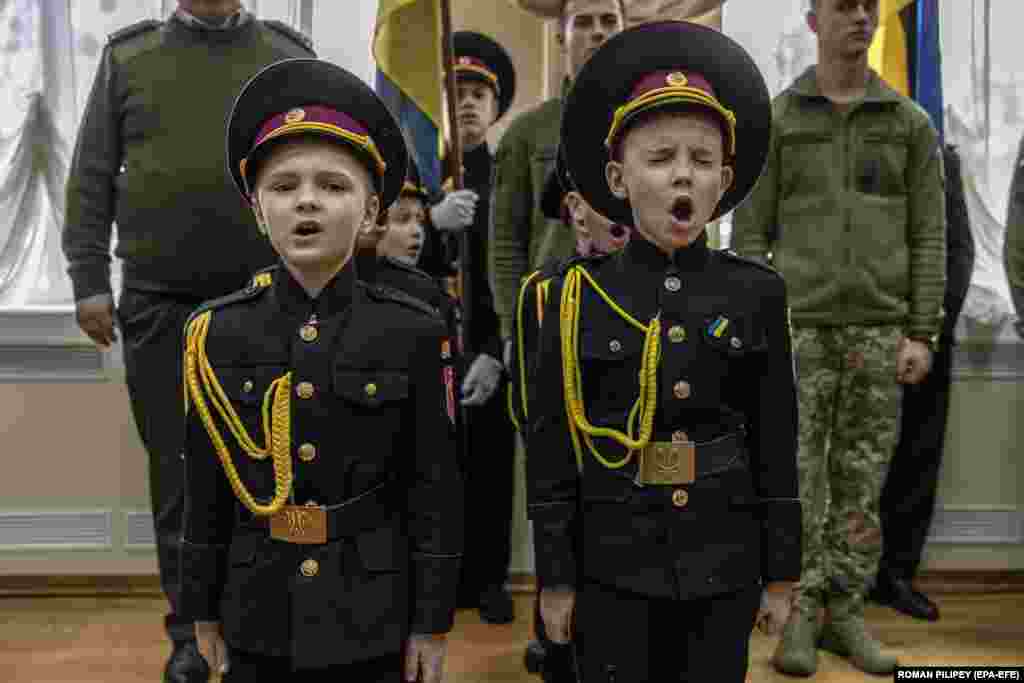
(851, 211)
(149, 157)
(908, 496)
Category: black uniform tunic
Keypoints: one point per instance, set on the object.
(729, 390)
(369, 440)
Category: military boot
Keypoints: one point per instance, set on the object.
(797, 653)
(845, 634)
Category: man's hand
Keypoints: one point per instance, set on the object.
(913, 361)
(95, 315)
(481, 380)
(556, 608)
(211, 645)
(424, 658)
(776, 603)
(456, 211)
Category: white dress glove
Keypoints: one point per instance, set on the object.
(456, 211)
(481, 380)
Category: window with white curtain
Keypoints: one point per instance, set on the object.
(984, 99)
(49, 53)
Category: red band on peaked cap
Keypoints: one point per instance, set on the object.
(669, 87)
(317, 118)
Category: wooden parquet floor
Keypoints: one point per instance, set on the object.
(120, 640)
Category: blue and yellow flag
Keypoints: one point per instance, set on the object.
(906, 53)
(407, 49)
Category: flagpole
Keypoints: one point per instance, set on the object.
(454, 159)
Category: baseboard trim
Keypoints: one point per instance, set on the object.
(137, 585)
(967, 581)
(935, 581)
(938, 581)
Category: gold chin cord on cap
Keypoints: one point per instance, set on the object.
(678, 94)
(643, 408)
(201, 384)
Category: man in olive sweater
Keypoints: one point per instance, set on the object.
(851, 211)
(150, 157)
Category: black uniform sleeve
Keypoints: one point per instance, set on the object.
(207, 526)
(90, 188)
(434, 487)
(772, 420)
(551, 471)
(959, 243)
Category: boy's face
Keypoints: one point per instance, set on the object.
(404, 235)
(477, 110)
(313, 197)
(672, 171)
(595, 234)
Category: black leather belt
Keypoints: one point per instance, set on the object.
(681, 461)
(313, 524)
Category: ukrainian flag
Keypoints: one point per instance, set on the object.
(906, 54)
(407, 49)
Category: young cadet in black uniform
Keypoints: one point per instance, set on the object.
(595, 236)
(486, 86)
(662, 462)
(389, 256)
(323, 518)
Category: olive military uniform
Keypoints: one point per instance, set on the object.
(148, 158)
(666, 417)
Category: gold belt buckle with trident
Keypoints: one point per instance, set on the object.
(305, 524)
(668, 463)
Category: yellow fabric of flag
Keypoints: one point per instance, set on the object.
(407, 48)
(888, 53)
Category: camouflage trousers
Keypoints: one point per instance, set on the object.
(849, 418)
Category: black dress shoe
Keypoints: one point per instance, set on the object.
(186, 665)
(534, 656)
(496, 606)
(901, 596)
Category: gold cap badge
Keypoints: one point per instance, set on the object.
(676, 78)
(295, 115)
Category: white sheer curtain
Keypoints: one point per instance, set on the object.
(984, 115)
(49, 52)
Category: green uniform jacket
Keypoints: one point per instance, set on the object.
(1013, 250)
(521, 238)
(851, 210)
(150, 158)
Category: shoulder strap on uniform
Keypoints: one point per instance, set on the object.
(395, 263)
(133, 30)
(383, 293)
(733, 256)
(292, 34)
(261, 281)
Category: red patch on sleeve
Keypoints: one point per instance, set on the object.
(448, 376)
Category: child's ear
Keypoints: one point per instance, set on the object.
(371, 212)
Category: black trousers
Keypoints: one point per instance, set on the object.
(489, 472)
(623, 637)
(908, 495)
(246, 667)
(152, 327)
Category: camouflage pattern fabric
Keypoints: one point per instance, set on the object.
(849, 416)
